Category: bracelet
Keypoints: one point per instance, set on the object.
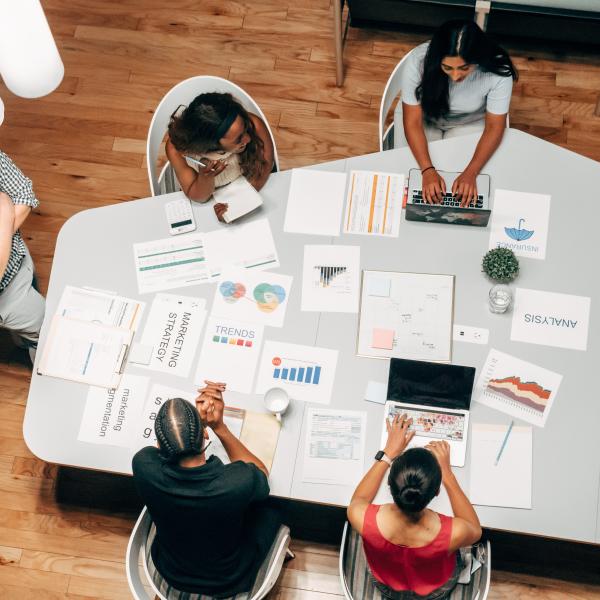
(427, 169)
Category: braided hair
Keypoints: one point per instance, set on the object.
(415, 478)
(178, 429)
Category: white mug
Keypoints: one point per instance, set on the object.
(276, 401)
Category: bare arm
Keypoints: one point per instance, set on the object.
(197, 185)
(399, 437)
(7, 228)
(433, 184)
(466, 529)
(464, 185)
(21, 213)
(260, 179)
(210, 406)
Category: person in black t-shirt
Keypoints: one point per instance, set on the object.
(213, 528)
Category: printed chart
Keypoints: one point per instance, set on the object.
(304, 372)
(330, 278)
(252, 296)
(517, 387)
(406, 315)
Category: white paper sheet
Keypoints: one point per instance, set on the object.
(315, 202)
(246, 245)
(507, 483)
(83, 351)
(550, 319)
(173, 262)
(240, 197)
(230, 351)
(413, 321)
(520, 223)
(374, 203)
(331, 278)
(376, 392)
(144, 432)
(111, 417)
(517, 387)
(173, 330)
(255, 296)
(100, 307)
(334, 451)
(306, 373)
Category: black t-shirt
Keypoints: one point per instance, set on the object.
(202, 542)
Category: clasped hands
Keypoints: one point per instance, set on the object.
(464, 187)
(210, 404)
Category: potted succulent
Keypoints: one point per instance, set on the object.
(500, 264)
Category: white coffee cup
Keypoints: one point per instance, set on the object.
(276, 401)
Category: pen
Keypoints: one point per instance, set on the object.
(504, 443)
(194, 160)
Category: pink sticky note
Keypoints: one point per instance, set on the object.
(383, 338)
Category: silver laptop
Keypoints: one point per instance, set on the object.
(449, 210)
(437, 397)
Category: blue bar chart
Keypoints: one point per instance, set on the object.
(304, 375)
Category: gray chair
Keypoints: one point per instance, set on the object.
(139, 546)
(357, 584)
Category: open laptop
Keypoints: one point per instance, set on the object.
(437, 397)
(449, 210)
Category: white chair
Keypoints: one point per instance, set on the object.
(136, 554)
(391, 91)
(183, 93)
(354, 575)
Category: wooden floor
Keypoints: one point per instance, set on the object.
(84, 146)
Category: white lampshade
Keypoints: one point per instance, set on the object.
(30, 64)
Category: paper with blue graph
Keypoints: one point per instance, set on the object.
(520, 223)
(306, 373)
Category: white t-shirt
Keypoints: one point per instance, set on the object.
(469, 99)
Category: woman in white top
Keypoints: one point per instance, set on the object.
(217, 131)
(458, 83)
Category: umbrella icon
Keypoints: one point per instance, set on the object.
(519, 234)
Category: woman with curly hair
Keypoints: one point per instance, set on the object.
(213, 141)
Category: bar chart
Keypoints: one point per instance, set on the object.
(307, 374)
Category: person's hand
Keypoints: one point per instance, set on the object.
(213, 168)
(433, 186)
(210, 404)
(399, 435)
(220, 210)
(441, 450)
(465, 188)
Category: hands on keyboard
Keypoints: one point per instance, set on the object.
(448, 199)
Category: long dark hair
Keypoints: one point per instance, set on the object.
(178, 429)
(200, 127)
(457, 38)
(415, 478)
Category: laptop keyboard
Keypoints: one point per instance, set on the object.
(447, 200)
(433, 424)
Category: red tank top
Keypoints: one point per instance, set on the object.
(420, 570)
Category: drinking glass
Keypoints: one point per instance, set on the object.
(500, 298)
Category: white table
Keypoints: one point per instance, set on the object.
(94, 248)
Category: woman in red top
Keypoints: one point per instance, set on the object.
(412, 550)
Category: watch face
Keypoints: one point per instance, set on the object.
(379, 455)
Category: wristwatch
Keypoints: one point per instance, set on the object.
(381, 455)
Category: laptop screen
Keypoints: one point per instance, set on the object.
(431, 384)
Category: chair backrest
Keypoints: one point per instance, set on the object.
(391, 91)
(342, 562)
(136, 549)
(183, 93)
(136, 553)
(486, 572)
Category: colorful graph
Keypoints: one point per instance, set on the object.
(294, 371)
(268, 297)
(529, 393)
(222, 339)
(324, 276)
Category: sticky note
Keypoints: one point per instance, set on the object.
(383, 338)
(376, 392)
(379, 286)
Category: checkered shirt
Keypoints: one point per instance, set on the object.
(18, 187)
